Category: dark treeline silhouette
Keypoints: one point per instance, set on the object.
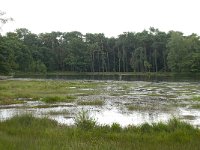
(147, 51)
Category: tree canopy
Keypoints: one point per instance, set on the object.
(147, 51)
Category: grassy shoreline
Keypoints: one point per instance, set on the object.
(99, 73)
(165, 74)
(27, 132)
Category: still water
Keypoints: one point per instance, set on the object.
(153, 100)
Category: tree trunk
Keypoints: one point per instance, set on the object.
(119, 59)
(156, 65)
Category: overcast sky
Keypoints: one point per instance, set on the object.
(111, 17)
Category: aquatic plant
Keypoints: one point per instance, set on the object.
(196, 98)
(84, 121)
(92, 102)
(53, 99)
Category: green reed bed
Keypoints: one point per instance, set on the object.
(27, 132)
(44, 90)
(91, 102)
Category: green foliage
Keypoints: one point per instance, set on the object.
(27, 132)
(92, 102)
(84, 121)
(136, 107)
(116, 127)
(28, 120)
(196, 98)
(196, 106)
(183, 53)
(54, 99)
(47, 91)
(138, 59)
(38, 66)
(146, 51)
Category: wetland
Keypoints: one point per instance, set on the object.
(107, 101)
(65, 113)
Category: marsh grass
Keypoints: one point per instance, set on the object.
(138, 107)
(195, 106)
(27, 132)
(62, 112)
(47, 90)
(84, 121)
(92, 102)
(54, 99)
(47, 106)
(10, 101)
(196, 98)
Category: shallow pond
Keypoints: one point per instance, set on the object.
(124, 102)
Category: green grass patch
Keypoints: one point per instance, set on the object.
(92, 102)
(62, 112)
(137, 107)
(47, 106)
(196, 98)
(27, 132)
(46, 90)
(55, 99)
(84, 121)
(195, 106)
(10, 101)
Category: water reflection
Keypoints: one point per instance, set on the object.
(117, 77)
(154, 101)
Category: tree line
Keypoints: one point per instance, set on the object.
(147, 51)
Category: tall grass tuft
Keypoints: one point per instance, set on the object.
(53, 99)
(116, 127)
(196, 98)
(27, 132)
(28, 120)
(84, 121)
(94, 102)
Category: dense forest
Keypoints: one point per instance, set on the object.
(147, 51)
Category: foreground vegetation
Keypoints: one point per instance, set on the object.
(27, 132)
